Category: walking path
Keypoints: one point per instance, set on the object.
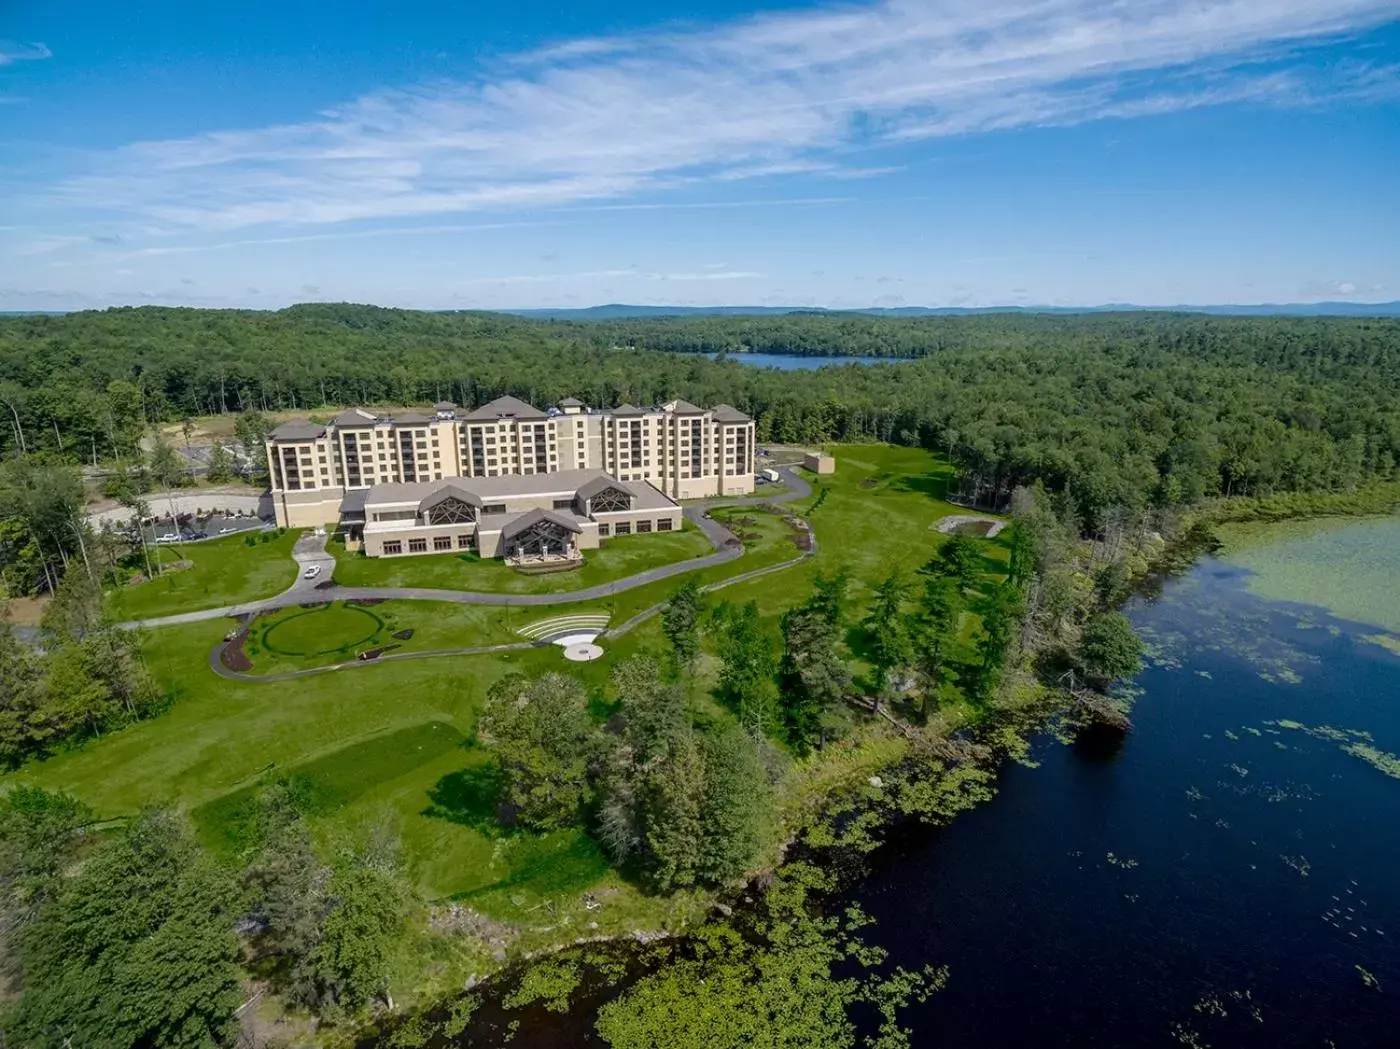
(311, 550)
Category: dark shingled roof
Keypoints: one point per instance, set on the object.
(680, 407)
(354, 417)
(444, 406)
(505, 407)
(530, 517)
(628, 409)
(589, 489)
(450, 491)
(411, 419)
(571, 402)
(728, 414)
(298, 430)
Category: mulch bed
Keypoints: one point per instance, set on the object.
(375, 653)
(234, 657)
(869, 482)
(402, 635)
(366, 602)
(326, 584)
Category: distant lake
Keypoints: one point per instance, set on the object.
(791, 362)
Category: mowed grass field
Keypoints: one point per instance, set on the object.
(615, 559)
(399, 736)
(300, 638)
(222, 572)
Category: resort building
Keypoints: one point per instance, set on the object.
(338, 473)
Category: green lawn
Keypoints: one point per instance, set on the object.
(616, 558)
(297, 638)
(222, 572)
(398, 735)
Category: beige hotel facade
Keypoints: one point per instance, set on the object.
(415, 483)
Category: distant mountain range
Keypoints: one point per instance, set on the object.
(621, 311)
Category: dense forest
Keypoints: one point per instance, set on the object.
(1131, 409)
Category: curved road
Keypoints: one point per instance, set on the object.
(310, 552)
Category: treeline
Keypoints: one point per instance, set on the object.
(87, 679)
(1135, 410)
(134, 935)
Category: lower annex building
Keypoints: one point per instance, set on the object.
(506, 479)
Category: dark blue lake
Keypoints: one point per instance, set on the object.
(1226, 875)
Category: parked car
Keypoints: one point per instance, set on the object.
(226, 531)
(168, 537)
(311, 572)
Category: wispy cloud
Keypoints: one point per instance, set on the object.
(20, 51)
(768, 97)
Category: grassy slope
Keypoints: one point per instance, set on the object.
(614, 560)
(367, 736)
(224, 572)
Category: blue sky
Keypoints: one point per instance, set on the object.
(910, 152)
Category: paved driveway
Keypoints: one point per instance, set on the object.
(311, 549)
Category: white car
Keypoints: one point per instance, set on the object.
(311, 572)
(168, 537)
(226, 531)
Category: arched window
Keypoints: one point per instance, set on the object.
(449, 511)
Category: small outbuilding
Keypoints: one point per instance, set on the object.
(819, 462)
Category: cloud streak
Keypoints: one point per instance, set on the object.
(598, 121)
(12, 51)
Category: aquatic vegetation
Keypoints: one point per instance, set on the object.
(548, 982)
(1389, 642)
(1347, 566)
(1368, 978)
(1299, 864)
(1121, 862)
(1380, 759)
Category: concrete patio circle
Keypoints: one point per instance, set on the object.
(583, 652)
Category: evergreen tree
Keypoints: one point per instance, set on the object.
(960, 558)
(886, 628)
(680, 621)
(221, 464)
(829, 598)
(674, 807)
(1109, 648)
(168, 467)
(935, 631)
(366, 910)
(746, 679)
(543, 738)
(735, 807)
(136, 949)
(813, 675)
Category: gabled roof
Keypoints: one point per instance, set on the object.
(531, 517)
(298, 430)
(411, 419)
(728, 414)
(354, 417)
(679, 407)
(444, 405)
(571, 402)
(589, 489)
(628, 409)
(449, 491)
(505, 407)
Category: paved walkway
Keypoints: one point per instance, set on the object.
(304, 590)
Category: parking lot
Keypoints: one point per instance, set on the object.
(194, 529)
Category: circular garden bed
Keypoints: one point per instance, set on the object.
(340, 628)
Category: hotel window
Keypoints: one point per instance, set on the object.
(442, 542)
(393, 546)
(603, 530)
(623, 528)
(418, 546)
(663, 525)
(464, 542)
(643, 526)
